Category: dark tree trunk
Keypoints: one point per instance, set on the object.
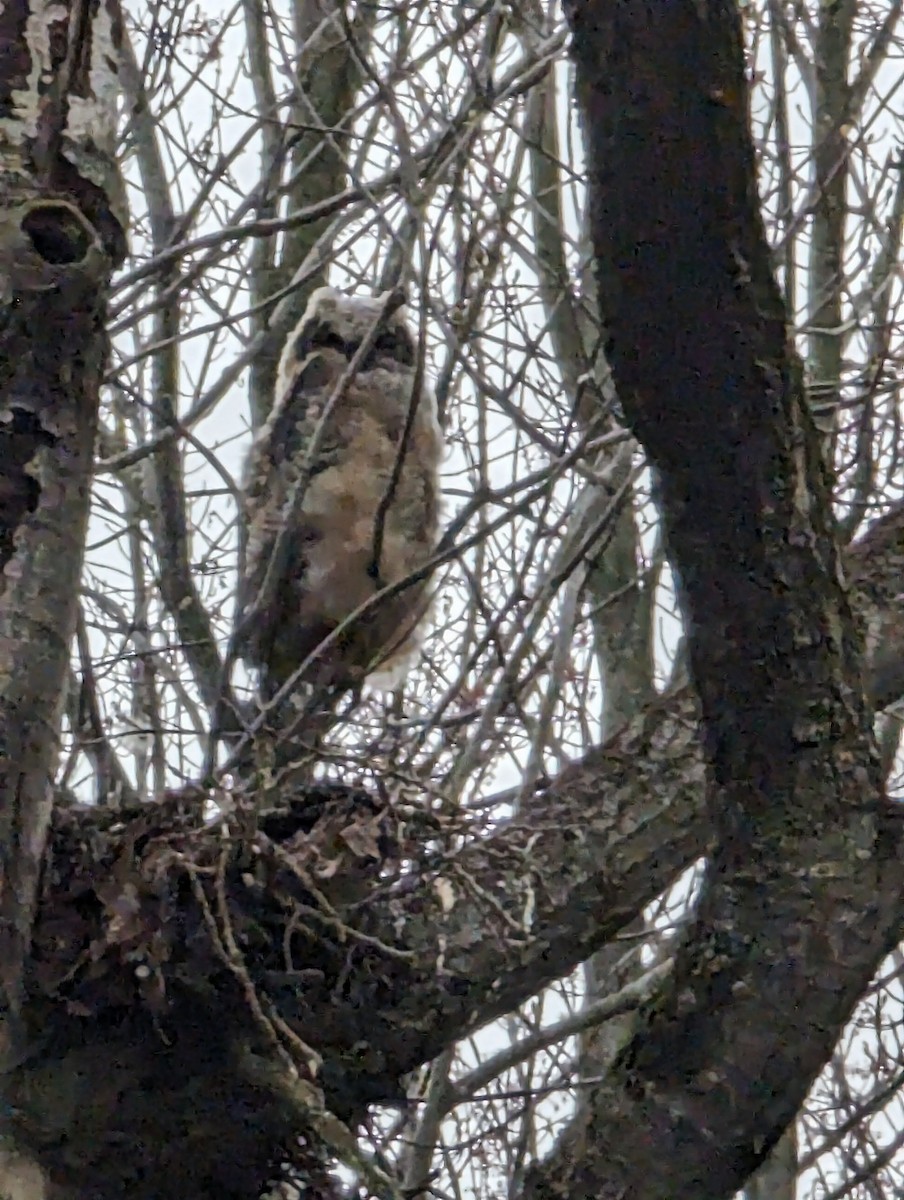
(799, 902)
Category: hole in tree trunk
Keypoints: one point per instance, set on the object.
(57, 233)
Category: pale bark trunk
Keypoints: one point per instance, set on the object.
(61, 233)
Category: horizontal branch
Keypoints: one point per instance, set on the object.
(472, 938)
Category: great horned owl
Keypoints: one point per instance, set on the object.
(350, 473)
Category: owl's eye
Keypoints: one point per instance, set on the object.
(315, 374)
(318, 336)
(395, 344)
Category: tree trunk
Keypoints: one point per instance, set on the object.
(61, 234)
(798, 904)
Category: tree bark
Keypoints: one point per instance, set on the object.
(181, 972)
(61, 234)
(124, 970)
(798, 903)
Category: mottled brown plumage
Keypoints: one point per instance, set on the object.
(326, 469)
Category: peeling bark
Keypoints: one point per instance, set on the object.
(61, 234)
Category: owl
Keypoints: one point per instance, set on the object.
(348, 475)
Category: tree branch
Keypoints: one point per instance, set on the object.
(165, 484)
(590, 849)
(378, 990)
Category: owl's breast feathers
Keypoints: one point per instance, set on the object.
(326, 469)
